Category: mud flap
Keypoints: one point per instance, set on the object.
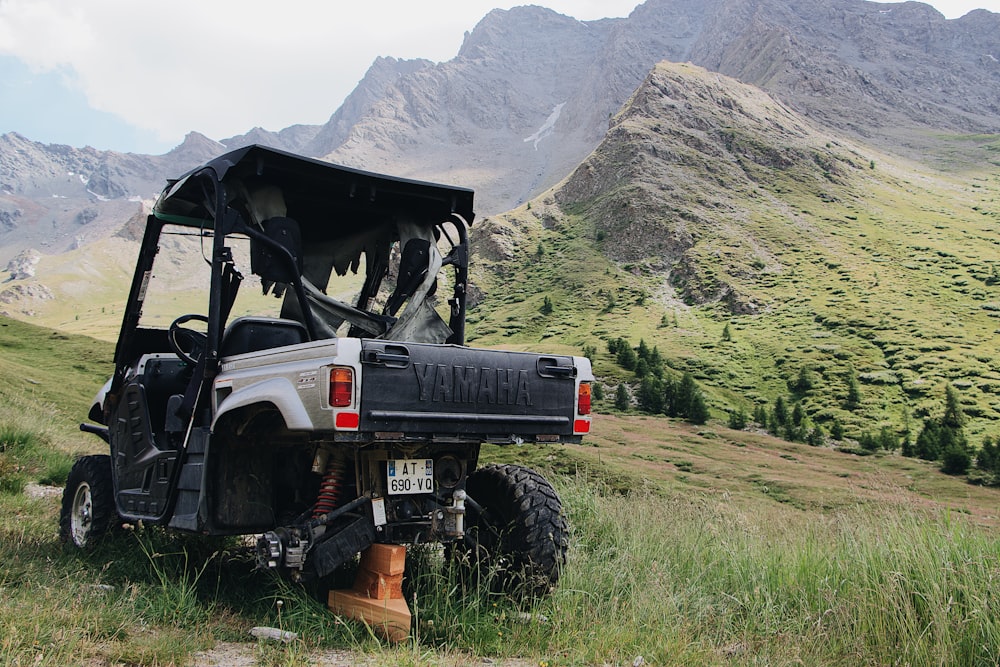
(343, 545)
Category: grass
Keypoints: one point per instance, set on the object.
(679, 578)
(690, 545)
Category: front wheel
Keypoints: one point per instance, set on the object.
(88, 503)
(518, 541)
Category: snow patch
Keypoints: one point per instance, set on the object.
(99, 197)
(547, 127)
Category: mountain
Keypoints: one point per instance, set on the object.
(763, 253)
(818, 179)
(530, 93)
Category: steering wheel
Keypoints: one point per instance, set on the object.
(188, 344)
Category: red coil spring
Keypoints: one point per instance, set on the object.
(329, 489)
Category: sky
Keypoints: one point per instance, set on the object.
(136, 76)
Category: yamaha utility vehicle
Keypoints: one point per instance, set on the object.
(291, 365)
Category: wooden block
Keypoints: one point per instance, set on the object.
(379, 586)
(384, 558)
(390, 618)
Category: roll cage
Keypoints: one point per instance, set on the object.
(309, 220)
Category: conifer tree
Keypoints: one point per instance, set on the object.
(670, 402)
(627, 357)
(651, 394)
(798, 414)
(779, 416)
(686, 392)
(698, 408)
(837, 430)
(760, 415)
(954, 416)
(853, 392)
(622, 401)
(738, 419)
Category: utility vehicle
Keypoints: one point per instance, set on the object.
(345, 412)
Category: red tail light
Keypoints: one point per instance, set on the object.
(583, 399)
(341, 387)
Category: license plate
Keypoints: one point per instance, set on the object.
(410, 476)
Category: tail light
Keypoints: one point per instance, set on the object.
(341, 387)
(583, 399)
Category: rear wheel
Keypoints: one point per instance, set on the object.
(518, 542)
(88, 503)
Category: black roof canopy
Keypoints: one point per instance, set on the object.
(328, 201)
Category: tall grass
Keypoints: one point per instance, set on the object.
(682, 581)
(692, 580)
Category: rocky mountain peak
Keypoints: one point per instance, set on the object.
(531, 92)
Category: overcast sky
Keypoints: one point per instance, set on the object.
(136, 76)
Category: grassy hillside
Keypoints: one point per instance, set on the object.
(689, 545)
(710, 204)
(47, 382)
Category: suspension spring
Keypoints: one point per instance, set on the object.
(329, 488)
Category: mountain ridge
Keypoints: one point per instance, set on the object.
(895, 74)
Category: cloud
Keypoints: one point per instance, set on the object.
(223, 67)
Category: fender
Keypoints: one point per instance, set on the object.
(277, 391)
(96, 413)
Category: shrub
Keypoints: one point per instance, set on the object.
(955, 460)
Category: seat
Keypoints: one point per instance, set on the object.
(252, 334)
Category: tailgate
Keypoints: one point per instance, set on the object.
(447, 389)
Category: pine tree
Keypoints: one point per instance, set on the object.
(686, 392)
(887, 439)
(627, 357)
(727, 335)
(779, 416)
(988, 458)
(598, 390)
(798, 414)
(760, 415)
(738, 419)
(546, 308)
(837, 430)
(622, 401)
(805, 381)
(954, 416)
(670, 403)
(651, 394)
(955, 459)
(868, 442)
(698, 409)
(853, 392)
(656, 363)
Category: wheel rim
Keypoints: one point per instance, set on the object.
(82, 514)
